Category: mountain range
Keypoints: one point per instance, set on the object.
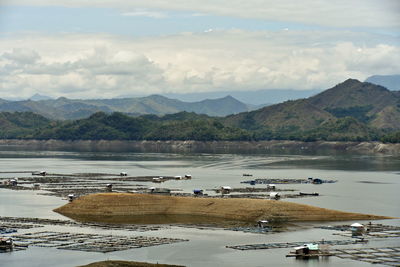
(70, 109)
(349, 111)
(258, 98)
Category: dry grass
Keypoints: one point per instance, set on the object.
(126, 204)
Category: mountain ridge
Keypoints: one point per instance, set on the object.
(67, 109)
(349, 111)
(372, 106)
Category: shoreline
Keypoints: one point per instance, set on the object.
(273, 146)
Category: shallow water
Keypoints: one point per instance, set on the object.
(365, 184)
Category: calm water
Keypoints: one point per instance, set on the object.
(365, 184)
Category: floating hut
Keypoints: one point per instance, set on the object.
(71, 197)
(198, 192)
(109, 187)
(178, 177)
(262, 223)
(315, 180)
(6, 243)
(13, 182)
(226, 189)
(123, 174)
(274, 195)
(158, 179)
(188, 176)
(307, 250)
(357, 229)
(271, 186)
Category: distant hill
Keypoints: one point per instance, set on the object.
(38, 97)
(258, 98)
(391, 82)
(70, 109)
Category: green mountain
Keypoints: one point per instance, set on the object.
(364, 108)
(70, 109)
(353, 93)
(350, 111)
(118, 126)
(295, 115)
(21, 124)
(343, 129)
(369, 103)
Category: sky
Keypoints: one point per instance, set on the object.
(114, 48)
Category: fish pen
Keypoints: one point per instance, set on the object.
(288, 181)
(371, 230)
(27, 223)
(90, 242)
(295, 244)
(389, 256)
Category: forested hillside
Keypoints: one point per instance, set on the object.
(350, 111)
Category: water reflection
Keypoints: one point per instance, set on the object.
(223, 161)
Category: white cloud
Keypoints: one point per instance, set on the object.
(145, 13)
(109, 66)
(336, 13)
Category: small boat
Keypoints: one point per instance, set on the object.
(309, 194)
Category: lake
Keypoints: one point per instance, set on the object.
(365, 184)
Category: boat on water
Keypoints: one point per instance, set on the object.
(309, 194)
(6, 243)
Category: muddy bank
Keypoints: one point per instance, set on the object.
(127, 204)
(274, 146)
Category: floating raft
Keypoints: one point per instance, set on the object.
(372, 230)
(90, 242)
(287, 181)
(295, 244)
(28, 223)
(385, 255)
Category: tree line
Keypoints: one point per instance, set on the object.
(180, 126)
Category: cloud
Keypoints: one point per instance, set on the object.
(338, 13)
(145, 13)
(88, 66)
(21, 56)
